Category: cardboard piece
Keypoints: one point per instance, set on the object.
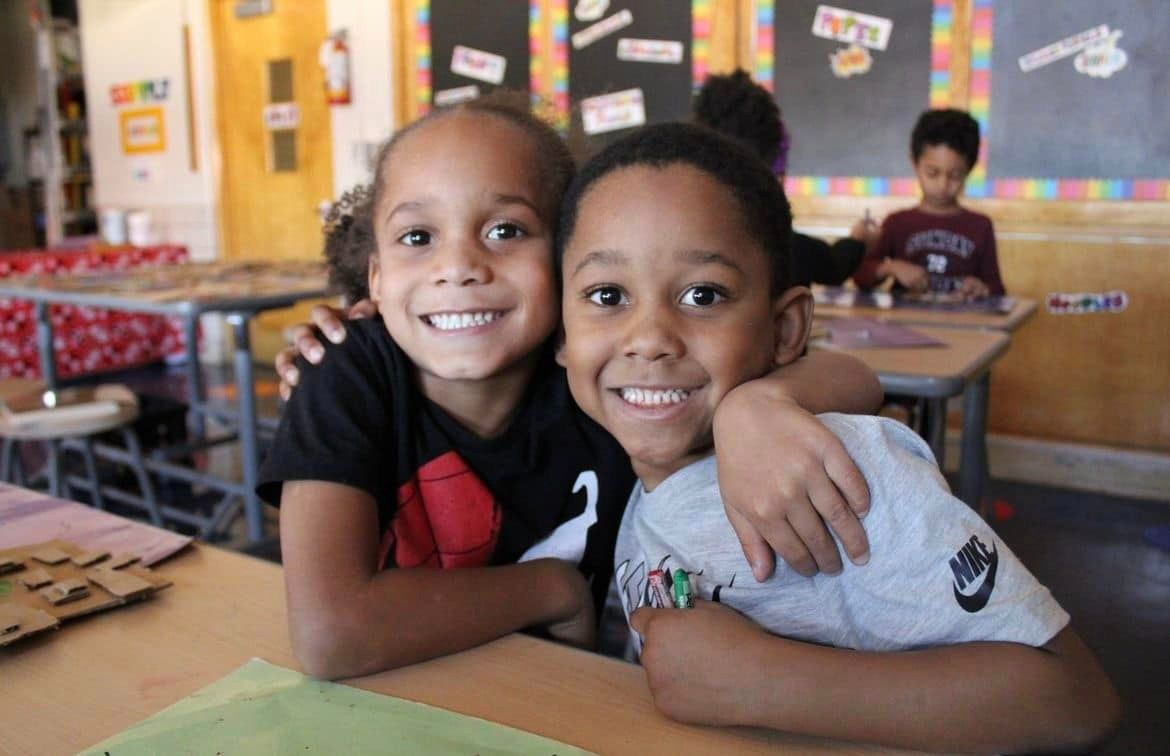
(94, 589)
(8, 565)
(17, 621)
(87, 558)
(49, 555)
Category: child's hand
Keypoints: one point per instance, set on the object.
(784, 490)
(973, 288)
(579, 626)
(865, 230)
(306, 343)
(913, 277)
(701, 662)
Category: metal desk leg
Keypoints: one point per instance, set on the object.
(249, 448)
(934, 426)
(45, 345)
(195, 377)
(973, 454)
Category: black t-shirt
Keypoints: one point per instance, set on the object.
(814, 260)
(445, 497)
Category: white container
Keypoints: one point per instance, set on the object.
(113, 226)
(140, 228)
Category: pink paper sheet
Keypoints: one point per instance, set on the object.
(31, 517)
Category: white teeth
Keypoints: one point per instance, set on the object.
(653, 398)
(452, 321)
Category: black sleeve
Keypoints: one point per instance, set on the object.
(844, 257)
(807, 258)
(337, 426)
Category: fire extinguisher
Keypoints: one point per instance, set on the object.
(334, 59)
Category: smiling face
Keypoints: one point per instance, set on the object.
(941, 174)
(667, 307)
(463, 277)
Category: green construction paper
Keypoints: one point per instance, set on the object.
(264, 709)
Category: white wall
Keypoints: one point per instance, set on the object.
(360, 127)
(134, 40)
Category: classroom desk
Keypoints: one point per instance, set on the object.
(960, 366)
(238, 290)
(97, 676)
(1021, 312)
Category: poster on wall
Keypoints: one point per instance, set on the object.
(142, 130)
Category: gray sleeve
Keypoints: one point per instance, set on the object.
(938, 574)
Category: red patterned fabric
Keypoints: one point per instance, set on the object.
(86, 339)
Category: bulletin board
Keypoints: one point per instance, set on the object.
(851, 78)
(459, 50)
(1061, 88)
(657, 48)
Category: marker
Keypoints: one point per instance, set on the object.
(659, 596)
(682, 591)
(868, 220)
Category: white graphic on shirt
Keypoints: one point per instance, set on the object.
(567, 542)
(936, 263)
(940, 240)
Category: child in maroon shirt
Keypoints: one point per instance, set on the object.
(939, 245)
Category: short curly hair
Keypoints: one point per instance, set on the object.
(745, 112)
(759, 195)
(350, 240)
(950, 127)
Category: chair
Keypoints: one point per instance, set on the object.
(112, 408)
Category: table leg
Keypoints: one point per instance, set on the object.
(973, 450)
(249, 448)
(934, 428)
(45, 345)
(195, 377)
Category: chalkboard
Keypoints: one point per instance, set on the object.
(1056, 121)
(498, 27)
(595, 69)
(856, 125)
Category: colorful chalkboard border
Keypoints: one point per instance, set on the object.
(422, 52)
(942, 24)
(978, 185)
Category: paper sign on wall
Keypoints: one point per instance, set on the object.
(590, 10)
(610, 112)
(142, 130)
(650, 50)
(455, 95)
(478, 64)
(1062, 49)
(279, 116)
(1102, 59)
(851, 26)
(591, 34)
(150, 90)
(1084, 303)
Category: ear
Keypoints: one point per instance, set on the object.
(791, 319)
(560, 350)
(373, 277)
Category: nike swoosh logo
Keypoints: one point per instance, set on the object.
(977, 600)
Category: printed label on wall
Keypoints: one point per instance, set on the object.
(142, 130)
(591, 34)
(850, 61)
(1102, 59)
(455, 95)
(1084, 303)
(851, 26)
(478, 64)
(650, 50)
(1062, 49)
(281, 115)
(150, 90)
(620, 110)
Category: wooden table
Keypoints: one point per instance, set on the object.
(98, 676)
(960, 366)
(239, 290)
(1022, 310)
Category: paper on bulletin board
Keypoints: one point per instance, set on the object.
(610, 112)
(142, 130)
(263, 709)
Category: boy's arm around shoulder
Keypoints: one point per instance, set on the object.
(348, 618)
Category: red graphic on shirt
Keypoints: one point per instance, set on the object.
(446, 518)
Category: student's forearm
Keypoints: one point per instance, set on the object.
(823, 381)
(979, 697)
(403, 616)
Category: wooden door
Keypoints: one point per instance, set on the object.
(272, 179)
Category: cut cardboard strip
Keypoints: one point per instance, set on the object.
(118, 561)
(65, 591)
(50, 555)
(86, 558)
(35, 578)
(8, 565)
(124, 585)
(28, 622)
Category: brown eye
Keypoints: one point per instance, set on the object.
(415, 238)
(606, 296)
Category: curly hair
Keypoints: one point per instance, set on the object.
(350, 240)
(950, 127)
(759, 195)
(745, 112)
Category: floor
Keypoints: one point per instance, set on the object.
(1089, 549)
